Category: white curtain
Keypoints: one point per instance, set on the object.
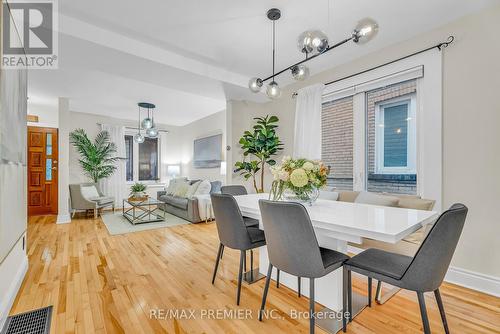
(307, 136)
(115, 184)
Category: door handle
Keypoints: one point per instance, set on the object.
(54, 168)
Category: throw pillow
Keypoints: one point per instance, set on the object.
(416, 203)
(329, 195)
(181, 189)
(89, 192)
(172, 185)
(192, 189)
(365, 197)
(203, 188)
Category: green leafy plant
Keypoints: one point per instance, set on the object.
(96, 158)
(262, 143)
(137, 188)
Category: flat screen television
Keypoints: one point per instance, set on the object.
(207, 152)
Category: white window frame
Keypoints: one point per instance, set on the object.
(135, 158)
(411, 153)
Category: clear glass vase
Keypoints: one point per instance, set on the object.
(304, 197)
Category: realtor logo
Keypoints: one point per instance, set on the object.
(29, 34)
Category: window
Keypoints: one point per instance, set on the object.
(129, 149)
(396, 123)
(337, 141)
(391, 138)
(142, 160)
(395, 137)
(148, 160)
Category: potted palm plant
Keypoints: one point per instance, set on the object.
(97, 158)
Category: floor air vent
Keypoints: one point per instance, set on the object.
(32, 322)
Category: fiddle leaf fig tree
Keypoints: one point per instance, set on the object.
(259, 145)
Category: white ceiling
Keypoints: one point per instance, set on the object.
(188, 57)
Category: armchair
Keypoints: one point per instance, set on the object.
(88, 196)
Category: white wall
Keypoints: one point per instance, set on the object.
(210, 125)
(47, 115)
(471, 119)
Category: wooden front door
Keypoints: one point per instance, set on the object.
(42, 171)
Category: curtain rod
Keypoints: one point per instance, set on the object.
(136, 128)
(439, 46)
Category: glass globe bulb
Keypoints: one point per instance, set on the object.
(319, 41)
(365, 31)
(139, 138)
(147, 123)
(273, 90)
(255, 85)
(312, 41)
(300, 72)
(152, 132)
(304, 42)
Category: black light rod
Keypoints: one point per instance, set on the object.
(310, 58)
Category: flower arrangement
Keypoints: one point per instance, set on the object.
(301, 177)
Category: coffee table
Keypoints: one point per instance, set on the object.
(141, 212)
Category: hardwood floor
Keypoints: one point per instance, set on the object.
(99, 283)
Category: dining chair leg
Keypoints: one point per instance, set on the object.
(245, 262)
(423, 312)
(311, 306)
(219, 255)
(240, 276)
(439, 301)
(298, 286)
(369, 292)
(266, 288)
(277, 278)
(349, 294)
(222, 252)
(344, 300)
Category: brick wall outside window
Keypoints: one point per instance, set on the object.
(337, 142)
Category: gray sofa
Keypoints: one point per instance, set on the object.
(185, 208)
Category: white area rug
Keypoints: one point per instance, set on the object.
(117, 224)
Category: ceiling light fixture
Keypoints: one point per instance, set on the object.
(313, 43)
(147, 123)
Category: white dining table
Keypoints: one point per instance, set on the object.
(335, 224)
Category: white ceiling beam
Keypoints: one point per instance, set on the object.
(80, 29)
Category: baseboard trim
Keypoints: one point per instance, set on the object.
(474, 280)
(463, 277)
(10, 296)
(63, 219)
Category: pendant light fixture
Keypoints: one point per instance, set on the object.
(313, 43)
(273, 91)
(147, 124)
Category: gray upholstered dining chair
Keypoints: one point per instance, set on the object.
(235, 190)
(88, 196)
(233, 233)
(293, 248)
(238, 190)
(422, 273)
